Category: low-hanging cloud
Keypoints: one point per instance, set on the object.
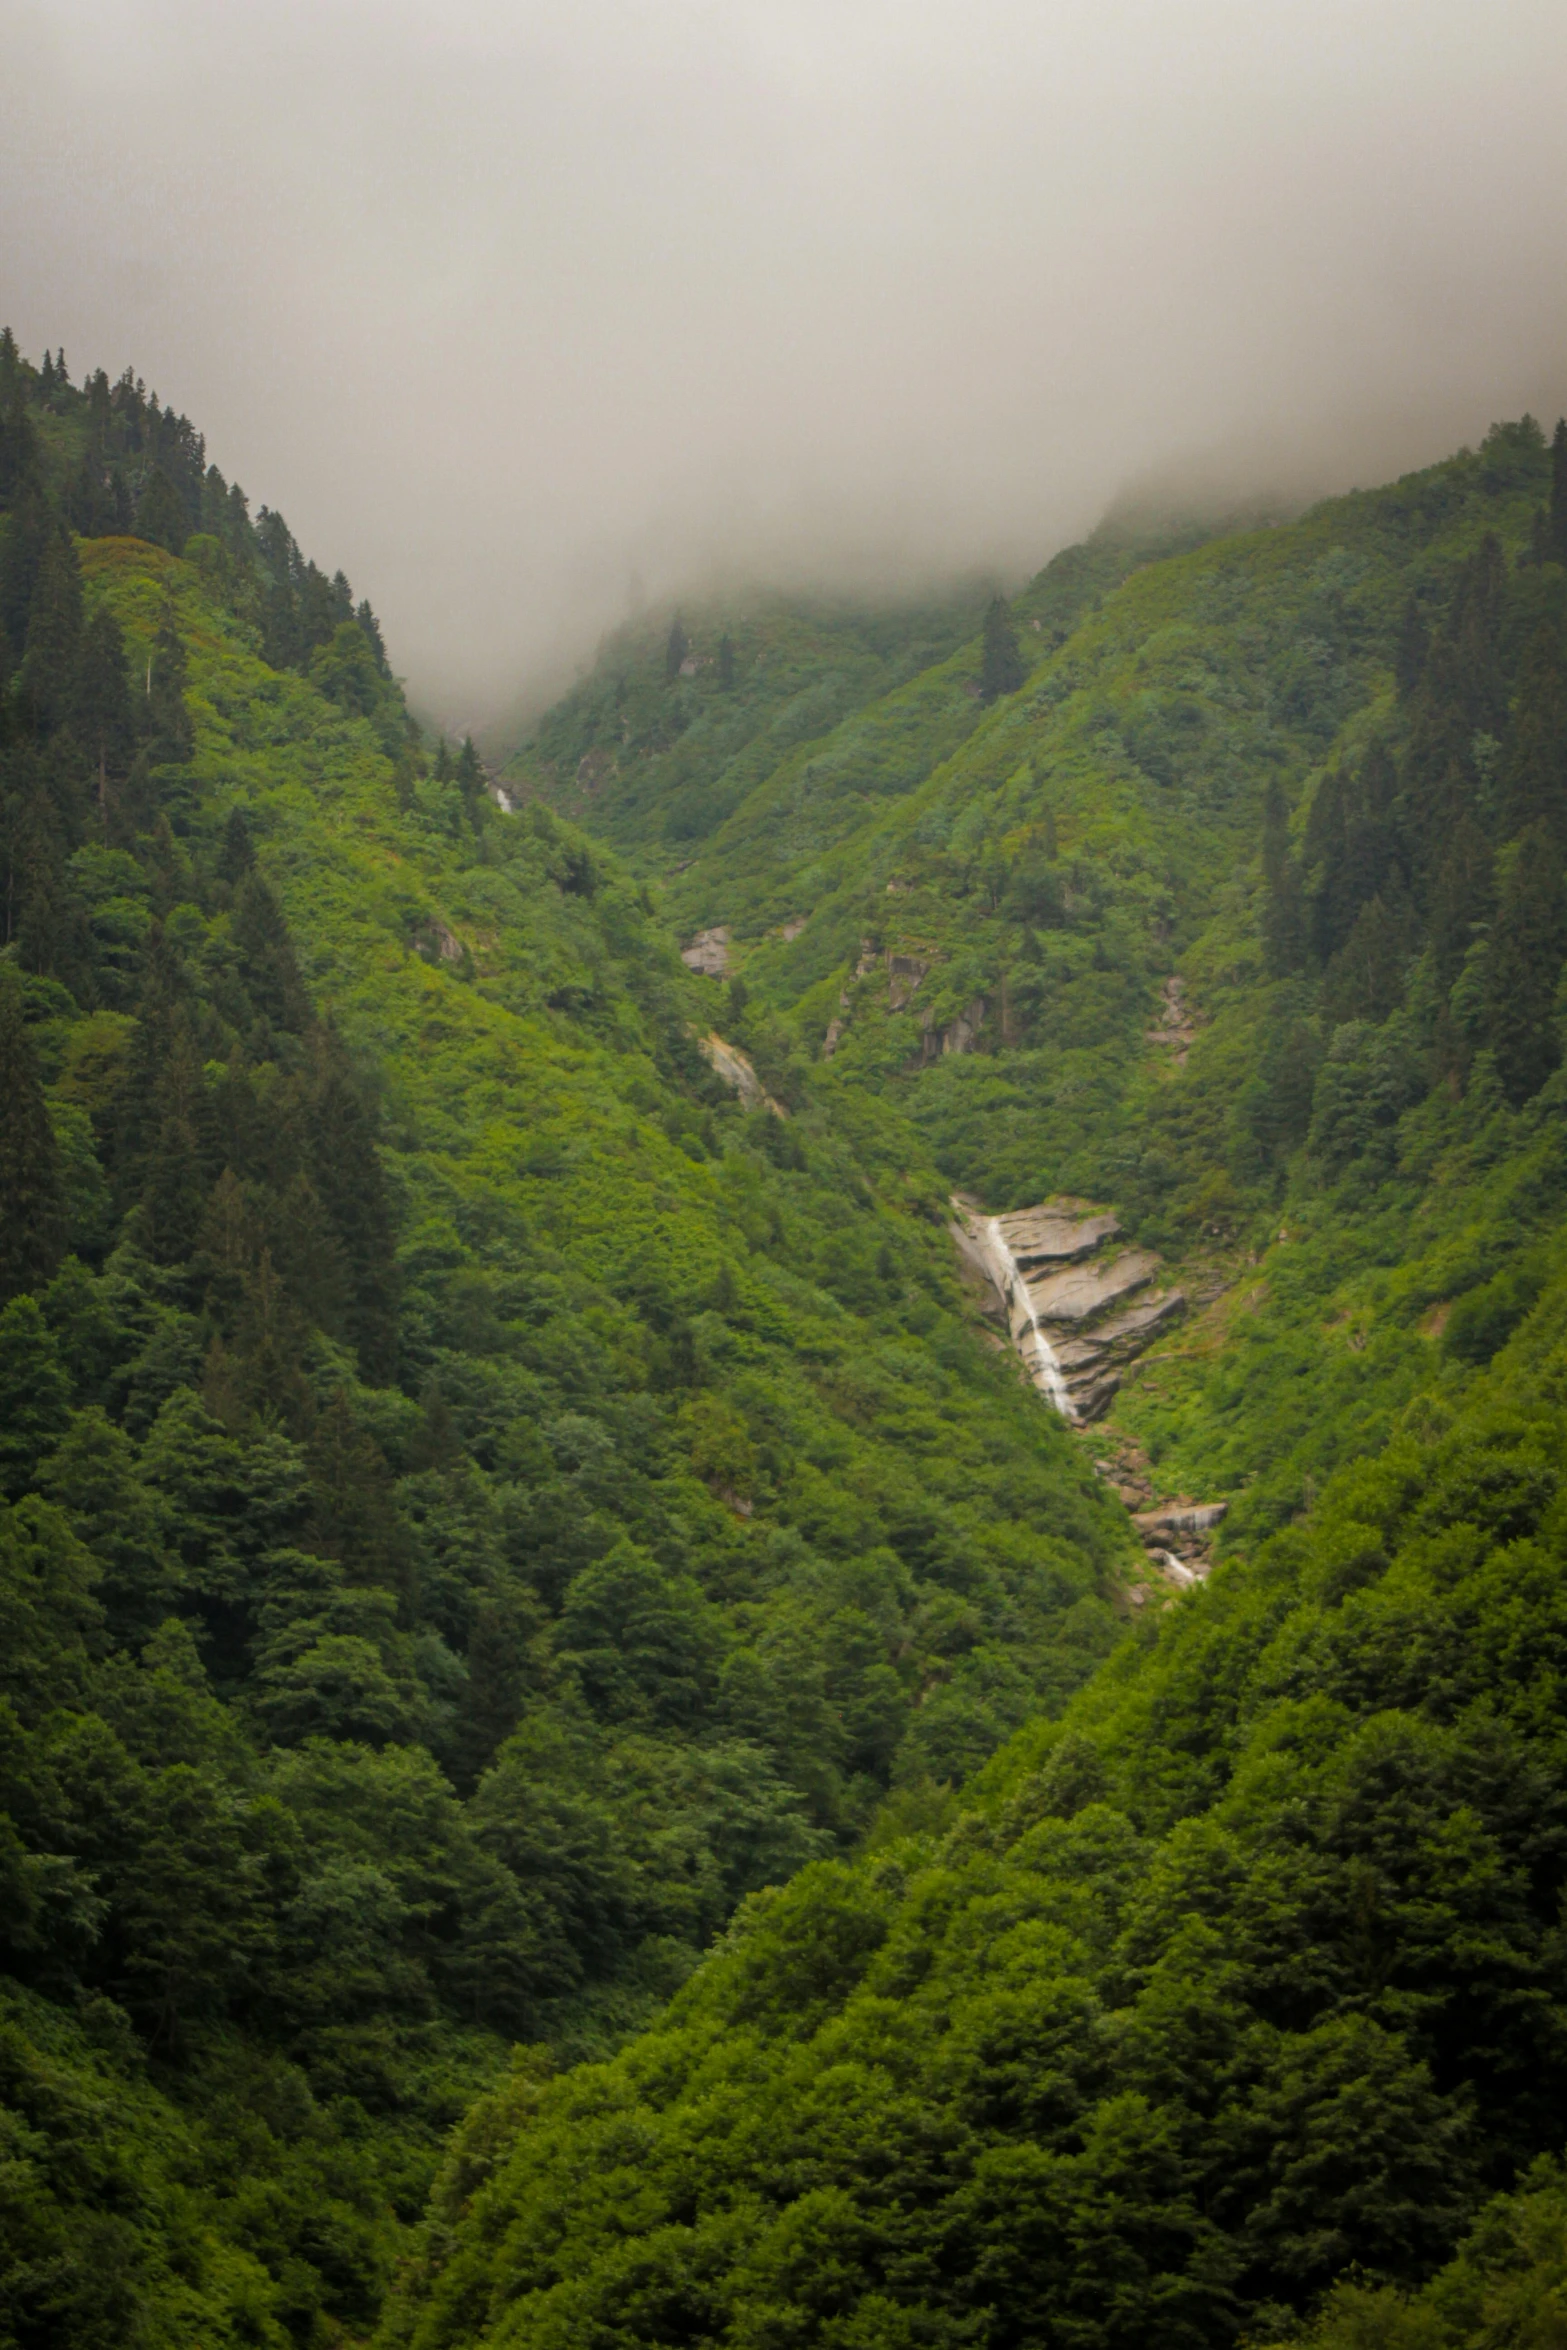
(507, 305)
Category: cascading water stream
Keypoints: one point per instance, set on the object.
(1012, 1284)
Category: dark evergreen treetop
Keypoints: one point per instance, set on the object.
(32, 1200)
(1001, 666)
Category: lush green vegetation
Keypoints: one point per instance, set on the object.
(1369, 1073)
(477, 1503)
(503, 1548)
(1247, 1974)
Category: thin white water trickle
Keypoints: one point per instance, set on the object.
(1044, 1353)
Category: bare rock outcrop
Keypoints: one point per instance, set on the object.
(708, 953)
(1077, 1309)
(733, 1066)
(1176, 1026)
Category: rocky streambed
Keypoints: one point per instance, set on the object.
(1079, 1307)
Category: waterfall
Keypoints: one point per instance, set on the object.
(1046, 1368)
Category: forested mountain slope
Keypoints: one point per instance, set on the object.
(977, 926)
(1232, 1999)
(478, 1502)
(504, 1543)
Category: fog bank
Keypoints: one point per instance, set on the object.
(506, 306)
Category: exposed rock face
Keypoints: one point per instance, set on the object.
(1056, 1234)
(1077, 1311)
(1067, 1297)
(1083, 1292)
(958, 1036)
(436, 943)
(904, 973)
(1176, 1536)
(733, 1066)
(708, 953)
(1176, 1027)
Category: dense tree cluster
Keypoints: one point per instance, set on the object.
(1248, 1976)
(1428, 884)
(1232, 2002)
(409, 1640)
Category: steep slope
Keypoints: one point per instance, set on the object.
(1243, 919)
(1044, 945)
(1249, 1972)
(680, 719)
(480, 1500)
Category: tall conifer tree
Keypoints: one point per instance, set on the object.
(1527, 945)
(161, 515)
(470, 779)
(1001, 664)
(1556, 519)
(1283, 926)
(54, 631)
(171, 738)
(32, 1204)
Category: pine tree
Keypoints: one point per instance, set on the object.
(1534, 780)
(101, 713)
(1365, 980)
(236, 857)
(1556, 520)
(30, 529)
(136, 1104)
(171, 737)
(1283, 924)
(1461, 901)
(174, 1194)
(1476, 632)
(35, 1397)
(54, 632)
(1001, 666)
(373, 638)
(341, 1137)
(18, 442)
(161, 518)
(270, 1339)
(470, 780)
(267, 961)
(676, 649)
(32, 1199)
(726, 661)
(281, 642)
(89, 502)
(1409, 656)
(353, 1519)
(40, 913)
(1528, 941)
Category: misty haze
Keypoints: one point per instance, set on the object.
(783, 1175)
(507, 307)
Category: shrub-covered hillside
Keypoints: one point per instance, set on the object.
(1247, 1977)
(502, 1543)
(478, 1503)
(1232, 2006)
(1309, 776)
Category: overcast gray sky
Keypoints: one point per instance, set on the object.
(502, 303)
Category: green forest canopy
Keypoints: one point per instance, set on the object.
(504, 1546)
